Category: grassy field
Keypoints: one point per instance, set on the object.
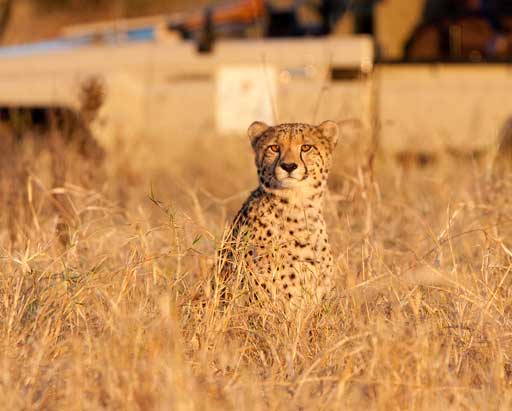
(105, 304)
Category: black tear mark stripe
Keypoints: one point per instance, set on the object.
(306, 171)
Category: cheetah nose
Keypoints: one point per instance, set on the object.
(288, 166)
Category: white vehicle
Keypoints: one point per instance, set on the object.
(158, 85)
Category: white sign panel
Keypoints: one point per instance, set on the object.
(245, 94)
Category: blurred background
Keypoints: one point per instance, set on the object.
(403, 28)
(420, 80)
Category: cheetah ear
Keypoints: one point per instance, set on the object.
(330, 131)
(256, 129)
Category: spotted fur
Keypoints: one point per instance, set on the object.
(278, 242)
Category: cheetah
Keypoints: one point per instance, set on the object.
(278, 243)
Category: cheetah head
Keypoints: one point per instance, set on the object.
(293, 156)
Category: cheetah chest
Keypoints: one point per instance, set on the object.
(286, 249)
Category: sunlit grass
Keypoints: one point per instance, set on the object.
(105, 297)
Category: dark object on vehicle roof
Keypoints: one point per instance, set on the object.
(462, 30)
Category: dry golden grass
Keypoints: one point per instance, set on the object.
(104, 302)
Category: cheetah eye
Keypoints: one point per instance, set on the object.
(305, 148)
(275, 148)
